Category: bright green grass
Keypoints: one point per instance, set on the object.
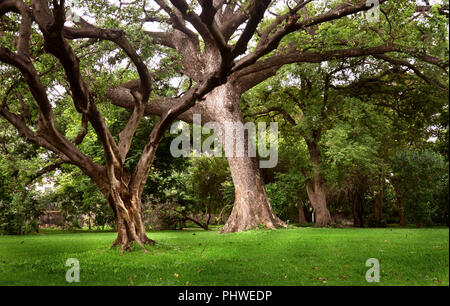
(299, 256)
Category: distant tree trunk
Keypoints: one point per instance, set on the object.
(301, 213)
(401, 211)
(208, 220)
(315, 188)
(355, 201)
(378, 204)
(251, 207)
(400, 205)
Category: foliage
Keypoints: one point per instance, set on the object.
(20, 205)
(206, 179)
(20, 215)
(79, 200)
(418, 177)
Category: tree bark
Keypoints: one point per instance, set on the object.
(316, 189)
(130, 222)
(400, 205)
(317, 197)
(401, 211)
(301, 213)
(252, 208)
(356, 202)
(378, 204)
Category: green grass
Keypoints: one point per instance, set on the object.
(298, 256)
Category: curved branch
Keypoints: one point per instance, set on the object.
(258, 72)
(416, 70)
(44, 171)
(267, 45)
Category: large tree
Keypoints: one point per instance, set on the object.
(260, 46)
(225, 48)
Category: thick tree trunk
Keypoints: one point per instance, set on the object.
(318, 199)
(316, 189)
(252, 208)
(130, 223)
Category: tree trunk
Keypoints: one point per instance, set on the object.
(316, 189)
(251, 207)
(130, 222)
(301, 213)
(378, 204)
(208, 220)
(317, 197)
(356, 202)
(400, 206)
(401, 211)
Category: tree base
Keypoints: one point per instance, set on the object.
(242, 227)
(264, 219)
(126, 245)
(324, 222)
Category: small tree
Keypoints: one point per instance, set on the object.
(206, 178)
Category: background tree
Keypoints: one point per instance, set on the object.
(417, 177)
(20, 204)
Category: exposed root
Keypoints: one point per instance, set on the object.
(149, 241)
(127, 245)
(238, 225)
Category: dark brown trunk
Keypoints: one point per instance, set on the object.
(301, 213)
(400, 205)
(252, 208)
(401, 211)
(378, 204)
(354, 201)
(208, 220)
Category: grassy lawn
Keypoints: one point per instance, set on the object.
(298, 256)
